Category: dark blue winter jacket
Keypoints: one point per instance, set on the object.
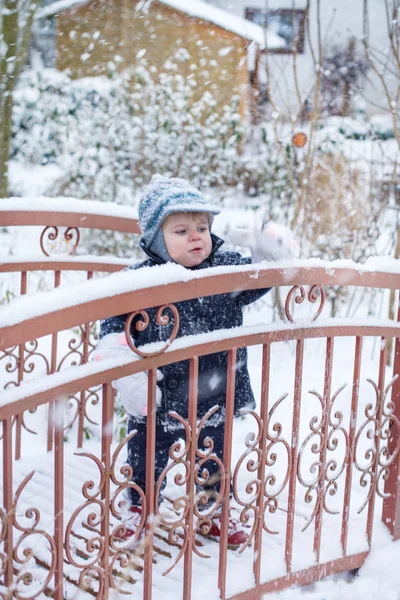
(200, 315)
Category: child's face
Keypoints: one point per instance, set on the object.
(187, 238)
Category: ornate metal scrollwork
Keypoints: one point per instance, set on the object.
(142, 324)
(254, 487)
(22, 553)
(312, 297)
(51, 234)
(116, 503)
(75, 353)
(203, 513)
(91, 516)
(31, 351)
(202, 477)
(263, 492)
(80, 346)
(12, 356)
(21, 361)
(325, 432)
(376, 427)
(272, 489)
(177, 529)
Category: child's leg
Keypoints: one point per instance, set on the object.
(137, 455)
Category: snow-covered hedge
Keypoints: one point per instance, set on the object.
(110, 136)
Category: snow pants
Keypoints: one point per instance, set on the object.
(164, 441)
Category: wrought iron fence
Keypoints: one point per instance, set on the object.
(296, 459)
(58, 240)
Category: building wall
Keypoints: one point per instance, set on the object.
(102, 35)
(340, 19)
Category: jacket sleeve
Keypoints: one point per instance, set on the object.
(247, 296)
(112, 325)
(117, 325)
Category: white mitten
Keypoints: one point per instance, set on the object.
(273, 242)
(133, 388)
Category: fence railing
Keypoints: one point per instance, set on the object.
(56, 263)
(311, 470)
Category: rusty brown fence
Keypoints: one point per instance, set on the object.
(54, 261)
(314, 471)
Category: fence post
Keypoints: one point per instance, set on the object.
(391, 505)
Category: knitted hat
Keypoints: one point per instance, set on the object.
(166, 195)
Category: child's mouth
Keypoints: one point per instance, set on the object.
(196, 250)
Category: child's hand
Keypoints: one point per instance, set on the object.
(133, 392)
(113, 344)
(273, 242)
(133, 388)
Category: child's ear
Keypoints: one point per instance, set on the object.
(241, 237)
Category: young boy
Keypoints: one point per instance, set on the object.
(176, 224)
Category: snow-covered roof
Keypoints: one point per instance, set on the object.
(57, 7)
(226, 20)
(199, 10)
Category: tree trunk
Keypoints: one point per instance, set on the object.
(5, 140)
(16, 34)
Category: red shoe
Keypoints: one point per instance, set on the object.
(134, 526)
(237, 535)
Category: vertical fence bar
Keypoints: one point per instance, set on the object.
(150, 465)
(8, 501)
(59, 499)
(85, 357)
(391, 505)
(294, 443)
(192, 415)
(266, 357)
(351, 449)
(106, 441)
(21, 368)
(324, 442)
(379, 409)
(53, 369)
(230, 400)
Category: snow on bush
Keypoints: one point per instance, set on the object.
(110, 136)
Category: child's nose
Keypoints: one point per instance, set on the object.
(195, 235)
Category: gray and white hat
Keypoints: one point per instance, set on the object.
(164, 196)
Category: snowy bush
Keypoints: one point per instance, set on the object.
(110, 136)
(343, 70)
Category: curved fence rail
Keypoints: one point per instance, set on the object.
(310, 469)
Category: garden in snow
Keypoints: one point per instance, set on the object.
(102, 138)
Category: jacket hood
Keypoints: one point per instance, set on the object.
(216, 242)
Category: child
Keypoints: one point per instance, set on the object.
(176, 224)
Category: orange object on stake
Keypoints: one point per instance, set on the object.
(299, 139)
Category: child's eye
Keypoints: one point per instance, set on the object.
(180, 231)
(203, 228)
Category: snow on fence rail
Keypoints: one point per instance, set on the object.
(311, 469)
